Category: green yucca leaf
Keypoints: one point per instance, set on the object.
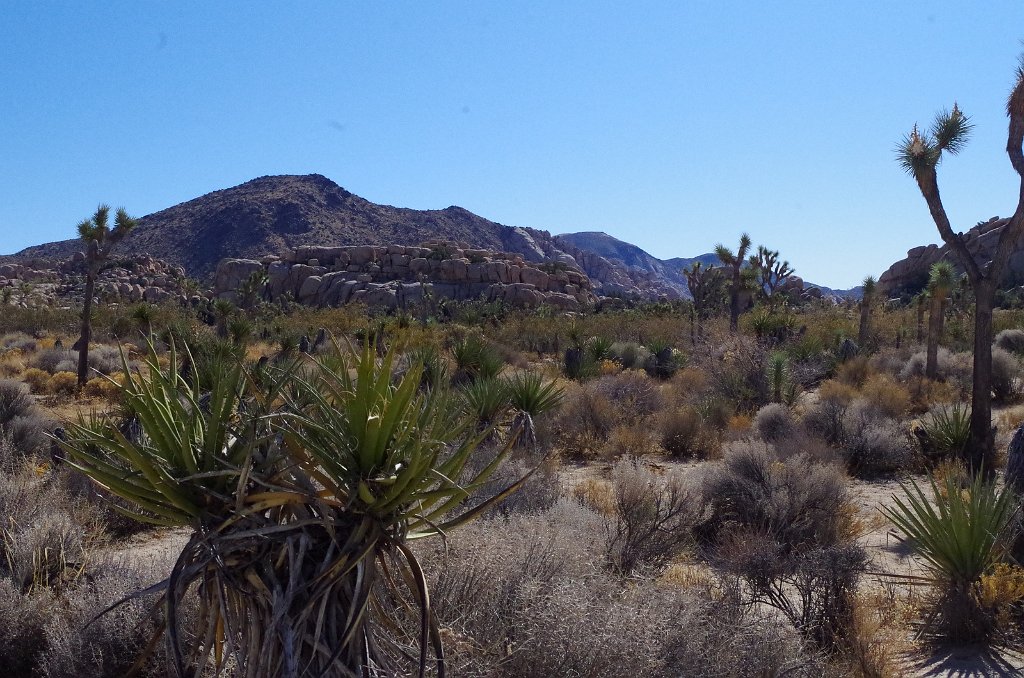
(960, 532)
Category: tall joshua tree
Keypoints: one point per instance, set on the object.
(919, 153)
(734, 262)
(866, 300)
(941, 280)
(99, 239)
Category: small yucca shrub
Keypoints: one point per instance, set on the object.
(962, 534)
(530, 396)
(945, 432)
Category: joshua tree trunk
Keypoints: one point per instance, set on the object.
(981, 448)
(734, 302)
(920, 322)
(931, 369)
(90, 289)
(865, 323)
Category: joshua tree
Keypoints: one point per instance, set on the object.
(99, 239)
(866, 300)
(734, 262)
(919, 153)
(771, 273)
(941, 280)
(707, 286)
(921, 301)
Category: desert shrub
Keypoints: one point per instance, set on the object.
(629, 354)
(21, 626)
(875, 446)
(539, 493)
(633, 393)
(715, 411)
(15, 400)
(814, 589)
(717, 637)
(1006, 372)
(18, 341)
(951, 366)
(582, 423)
(36, 379)
(523, 598)
(682, 431)
(104, 359)
(81, 643)
(629, 440)
(796, 502)
(40, 553)
(886, 396)
(774, 422)
(854, 372)
(1011, 340)
(28, 433)
(62, 383)
(56, 360)
(825, 418)
(108, 388)
(654, 517)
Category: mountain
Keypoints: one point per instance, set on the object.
(277, 214)
(271, 215)
(670, 271)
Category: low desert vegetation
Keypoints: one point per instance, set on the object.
(694, 514)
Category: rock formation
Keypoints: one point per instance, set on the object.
(398, 276)
(910, 275)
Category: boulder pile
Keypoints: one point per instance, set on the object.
(396, 276)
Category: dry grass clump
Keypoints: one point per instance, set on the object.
(36, 378)
(629, 440)
(63, 383)
(684, 433)
(890, 398)
(854, 372)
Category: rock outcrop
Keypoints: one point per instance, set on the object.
(121, 280)
(910, 275)
(399, 276)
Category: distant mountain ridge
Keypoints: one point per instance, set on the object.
(272, 215)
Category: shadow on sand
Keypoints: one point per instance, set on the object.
(968, 662)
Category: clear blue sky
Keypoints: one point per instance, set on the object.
(672, 125)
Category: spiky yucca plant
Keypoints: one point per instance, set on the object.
(302, 489)
(530, 396)
(961, 533)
